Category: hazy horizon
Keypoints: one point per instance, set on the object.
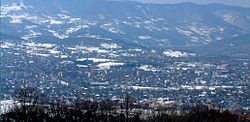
(240, 3)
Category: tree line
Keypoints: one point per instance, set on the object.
(31, 108)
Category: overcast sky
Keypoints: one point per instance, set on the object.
(242, 3)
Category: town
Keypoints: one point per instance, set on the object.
(154, 77)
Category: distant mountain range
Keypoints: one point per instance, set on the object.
(184, 25)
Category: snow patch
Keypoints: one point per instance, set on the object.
(177, 54)
(110, 46)
(111, 29)
(88, 49)
(6, 45)
(73, 20)
(55, 34)
(6, 105)
(185, 32)
(13, 7)
(108, 65)
(53, 21)
(95, 60)
(30, 27)
(95, 37)
(144, 37)
(82, 66)
(148, 68)
(63, 16)
(74, 29)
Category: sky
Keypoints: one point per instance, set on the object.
(241, 3)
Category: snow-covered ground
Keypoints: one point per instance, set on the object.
(177, 54)
(74, 29)
(6, 105)
(107, 65)
(110, 46)
(95, 60)
(148, 68)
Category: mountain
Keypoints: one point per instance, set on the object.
(150, 25)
